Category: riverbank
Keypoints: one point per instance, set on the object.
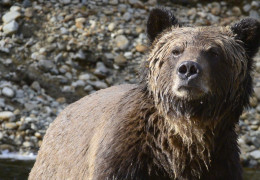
(52, 53)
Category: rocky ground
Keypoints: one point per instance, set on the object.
(54, 52)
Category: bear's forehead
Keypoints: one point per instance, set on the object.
(200, 37)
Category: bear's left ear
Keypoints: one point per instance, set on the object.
(248, 31)
(159, 19)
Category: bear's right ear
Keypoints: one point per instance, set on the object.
(248, 31)
(159, 19)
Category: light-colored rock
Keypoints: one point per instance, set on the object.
(141, 48)
(8, 92)
(236, 11)
(7, 115)
(121, 42)
(10, 125)
(65, 1)
(120, 60)
(27, 144)
(257, 92)
(10, 27)
(111, 26)
(15, 8)
(10, 16)
(80, 22)
(255, 154)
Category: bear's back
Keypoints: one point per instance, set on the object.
(71, 142)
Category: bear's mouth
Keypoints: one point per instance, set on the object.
(191, 90)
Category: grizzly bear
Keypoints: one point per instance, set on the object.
(177, 123)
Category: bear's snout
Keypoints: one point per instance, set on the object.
(188, 70)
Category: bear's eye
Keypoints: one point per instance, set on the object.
(177, 52)
(213, 52)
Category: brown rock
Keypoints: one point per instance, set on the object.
(141, 48)
(120, 60)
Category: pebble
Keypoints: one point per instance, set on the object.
(6, 2)
(111, 26)
(141, 48)
(99, 85)
(28, 12)
(10, 27)
(10, 125)
(247, 7)
(121, 42)
(255, 4)
(120, 60)
(80, 22)
(127, 16)
(257, 92)
(27, 144)
(101, 70)
(6, 116)
(216, 8)
(8, 92)
(10, 16)
(113, 2)
(254, 14)
(46, 65)
(88, 88)
(255, 154)
(84, 77)
(236, 11)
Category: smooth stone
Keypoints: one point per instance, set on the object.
(78, 83)
(127, 16)
(84, 77)
(15, 8)
(255, 4)
(254, 14)
(27, 144)
(10, 27)
(120, 60)
(46, 64)
(141, 48)
(121, 42)
(257, 92)
(10, 125)
(10, 16)
(236, 11)
(99, 85)
(8, 92)
(101, 70)
(80, 22)
(111, 26)
(113, 2)
(36, 86)
(88, 88)
(246, 8)
(255, 154)
(7, 115)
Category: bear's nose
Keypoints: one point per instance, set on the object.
(188, 70)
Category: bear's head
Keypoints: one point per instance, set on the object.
(199, 71)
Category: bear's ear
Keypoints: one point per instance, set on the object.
(158, 20)
(248, 31)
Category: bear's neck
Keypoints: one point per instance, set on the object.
(181, 145)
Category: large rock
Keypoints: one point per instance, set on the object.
(10, 27)
(121, 42)
(10, 16)
(6, 115)
(8, 92)
(255, 154)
